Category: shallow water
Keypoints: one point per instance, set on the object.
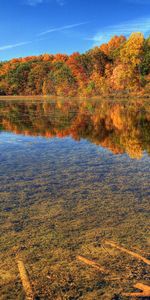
(74, 174)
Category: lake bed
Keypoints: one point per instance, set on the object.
(74, 174)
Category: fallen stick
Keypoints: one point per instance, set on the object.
(137, 256)
(25, 280)
(92, 264)
(144, 288)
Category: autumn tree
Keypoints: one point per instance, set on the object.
(17, 78)
(37, 76)
(112, 48)
(121, 65)
(126, 74)
(60, 81)
(145, 62)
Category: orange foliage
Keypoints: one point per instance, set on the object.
(119, 65)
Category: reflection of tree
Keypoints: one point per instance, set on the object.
(122, 127)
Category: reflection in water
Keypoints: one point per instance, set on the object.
(122, 127)
(64, 195)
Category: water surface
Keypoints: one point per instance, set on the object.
(74, 174)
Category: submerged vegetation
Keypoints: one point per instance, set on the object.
(74, 215)
(120, 66)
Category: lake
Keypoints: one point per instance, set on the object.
(74, 179)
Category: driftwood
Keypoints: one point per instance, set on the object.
(92, 264)
(25, 280)
(137, 256)
(144, 288)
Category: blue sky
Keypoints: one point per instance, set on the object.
(32, 27)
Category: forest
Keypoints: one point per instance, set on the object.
(121, 66)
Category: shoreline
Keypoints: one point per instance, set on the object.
(53, 97)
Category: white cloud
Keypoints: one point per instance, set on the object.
(59, 29)
(60, 2)
(11, 46)
(126, 28)
(36, 2)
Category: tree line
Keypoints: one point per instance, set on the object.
(120, 66)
